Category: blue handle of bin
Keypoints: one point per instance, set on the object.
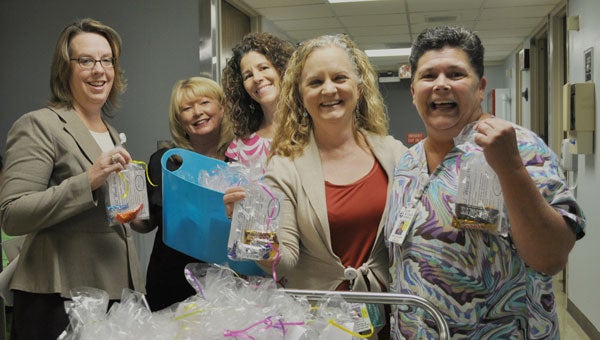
(192, 161)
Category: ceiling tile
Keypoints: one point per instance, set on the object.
(503, 25)
(304, 24)
(373, 20)
(296, 12)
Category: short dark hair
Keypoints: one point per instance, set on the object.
(437, 38)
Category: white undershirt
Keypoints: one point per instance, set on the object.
(103, 139)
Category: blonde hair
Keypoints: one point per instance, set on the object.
(295, 125)
(190, 88)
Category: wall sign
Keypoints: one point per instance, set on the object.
(588, 62)
(524, 59)
(414, 137)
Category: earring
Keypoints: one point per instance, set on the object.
(303, 119)
(252, 108)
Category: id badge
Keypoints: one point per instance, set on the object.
(406, 218)
(359, 314)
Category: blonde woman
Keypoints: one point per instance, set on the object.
(333, 160)
(197, 122)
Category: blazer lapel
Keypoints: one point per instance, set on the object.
(311, 176)
(80, 133)
(385, 157)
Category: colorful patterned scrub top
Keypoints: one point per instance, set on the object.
(249, 151)
(475, 278)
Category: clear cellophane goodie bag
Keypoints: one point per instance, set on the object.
(255, 219)
(254, 223)
(127, 196)
(479, 203)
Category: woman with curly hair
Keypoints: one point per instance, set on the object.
(333, 160)
(251, 81)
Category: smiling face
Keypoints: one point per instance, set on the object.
(200, 116)
(329, 86)
(446, 91)
(261, 79)
(90, 87)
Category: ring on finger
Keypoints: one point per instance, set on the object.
(114, 158)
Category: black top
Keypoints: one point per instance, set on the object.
(165, 280)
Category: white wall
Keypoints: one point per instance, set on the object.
(510, 69)
(583, 267)
(496, 79)
(583, 270)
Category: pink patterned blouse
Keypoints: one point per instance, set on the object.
(249, 150)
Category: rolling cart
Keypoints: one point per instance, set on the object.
(383, 298)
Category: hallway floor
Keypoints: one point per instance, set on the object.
(569, 329)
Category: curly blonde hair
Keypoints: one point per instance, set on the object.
(187, 89)
(295, 125)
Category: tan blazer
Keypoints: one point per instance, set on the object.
(46, 194)
(307, 258)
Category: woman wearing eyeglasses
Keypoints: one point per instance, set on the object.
(57, 162)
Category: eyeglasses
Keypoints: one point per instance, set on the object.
(87, 62)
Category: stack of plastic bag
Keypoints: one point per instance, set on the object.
(225, 307)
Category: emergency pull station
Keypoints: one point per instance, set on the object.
(579, 119)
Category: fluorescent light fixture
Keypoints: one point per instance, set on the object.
(390, 52)
(340, 1)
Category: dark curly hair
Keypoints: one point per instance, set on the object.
(246, 118)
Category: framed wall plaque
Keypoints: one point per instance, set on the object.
(588, 62)
(524, 59)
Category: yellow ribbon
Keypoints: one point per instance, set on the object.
(362, 336)
(146, 169)
(125, 181)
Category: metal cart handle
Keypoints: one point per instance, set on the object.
(383, 298)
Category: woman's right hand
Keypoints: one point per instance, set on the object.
(232, 195)
(108, 162)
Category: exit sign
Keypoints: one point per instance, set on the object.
(414, 137)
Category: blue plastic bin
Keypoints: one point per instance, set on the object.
(194, 220)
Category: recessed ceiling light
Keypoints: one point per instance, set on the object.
(340, 1)
(390, 52)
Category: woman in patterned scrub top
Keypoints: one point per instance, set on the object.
(251, 81)
(486, 285)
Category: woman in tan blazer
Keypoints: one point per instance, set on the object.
(57, 162)
(332, 158)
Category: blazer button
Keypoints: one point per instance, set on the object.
(350, 273)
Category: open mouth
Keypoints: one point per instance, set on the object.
(263, 89)
(97, 83)
(332, 103)
(200, 122)
(442, 105)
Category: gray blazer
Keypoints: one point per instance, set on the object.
(307, 258)
(46, 194)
